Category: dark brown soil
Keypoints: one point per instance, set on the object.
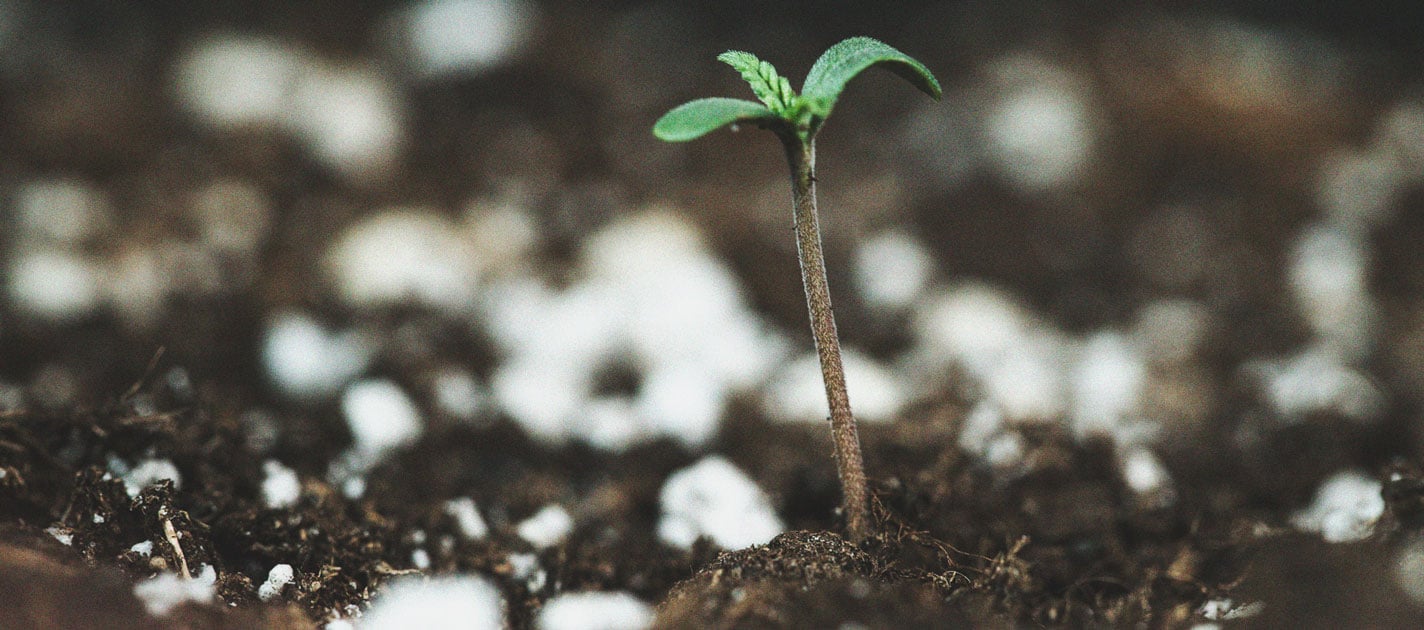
(1058, 541)
(1064, 543)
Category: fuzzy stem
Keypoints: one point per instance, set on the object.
(801, 154)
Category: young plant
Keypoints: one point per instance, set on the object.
(795, 119)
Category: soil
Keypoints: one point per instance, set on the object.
(1058, 540)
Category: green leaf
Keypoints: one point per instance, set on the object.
(842, 62)
(773, 89)
(693, 120)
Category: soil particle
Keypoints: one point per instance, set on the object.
(802, 579)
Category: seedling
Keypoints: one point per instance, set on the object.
(795, 119)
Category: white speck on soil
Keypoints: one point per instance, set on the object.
(144, 548)
(1005, 450)
(353, 488)
(1400, 132)
(149, 472)
(501, 231)
(381, 417)
(1213, 609)
(891, 271)
(1170, 330)
(229, 81)
(1244, 611)
(1029, 382)
(523, 566)
(63, 534)
(63, 211)
(1328, 269)
(262, 429)
(680, 304)
(1358, 187)
(682, 401)
(713, 498)
(453, 601)
(167, 591)
(610, 423)
(1409, 570)
(12, 397)
(138, 284)
(983, 422)
(799, 394)
(420, 559)
(651, 295)
(1345, 509)
(1316, 380)
(402, 255)
(1143, 472)
(542, 393)
(53, 284)
(467, 518)
(1107, 384)
(464, 37)
(349, 117)
(1039, 132)
(306, 361)
(595, 611)
(277, 579)
(973, 325)
(233, 215)
(281, 488)
(457, 393)
(547, 527)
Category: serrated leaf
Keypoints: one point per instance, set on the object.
(768, 86)
(695, 119)
(842, 62)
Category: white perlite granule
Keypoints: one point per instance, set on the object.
(380, 415)
(306, 361)
(281, 488)
(403, 255)
(713, 498)
(144, 548)
(547, 527)
(167, 591)
(798, 393)
(464, 37)
(453, 601)
(595, 611)
(149, 472)
(278, 578)
(891, 270)
(63, 534)
(1345, 509)
(467, 518)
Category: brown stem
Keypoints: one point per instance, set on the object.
(801, 154)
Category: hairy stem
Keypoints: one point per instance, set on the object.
(801, 154)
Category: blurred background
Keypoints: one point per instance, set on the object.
(1180, 226)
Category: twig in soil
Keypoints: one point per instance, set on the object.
(147, 374)
(165, 421)
(172, 536)
(795, 118)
